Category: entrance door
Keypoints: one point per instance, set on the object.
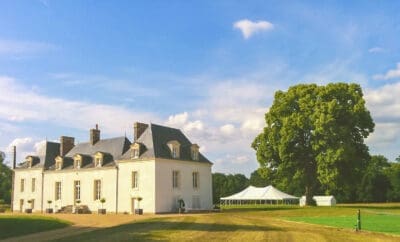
(133, 205)
(21, 205)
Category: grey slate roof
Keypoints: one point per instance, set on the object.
(155, 139)
(51, 150)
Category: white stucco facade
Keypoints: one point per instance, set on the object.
(152, 174)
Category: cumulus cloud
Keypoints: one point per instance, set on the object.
(390, 74)
(249, 28)
(26, 146)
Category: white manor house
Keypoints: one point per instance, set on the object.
(160, 167)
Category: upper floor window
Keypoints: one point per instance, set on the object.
(136, 149)
(135, 179)
(194, 152)
(174, 147)
(22, 185)
(98, 159)
(195, 180)
(59, 162)
(33, 184)
(175, 179)
(78, 163)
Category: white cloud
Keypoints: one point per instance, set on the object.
(390, 74)
(177, 120)
(16, 47)
(249, 28)
(18, 104)
(25, 146)
(376, 49)
(227, 129)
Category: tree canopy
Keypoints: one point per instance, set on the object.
(314, 139)
(5, 180)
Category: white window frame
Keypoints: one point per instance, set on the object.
(57, 191)
(135, 179)
(97, 189)
(33, 188)
(77, 190)
(195, 180)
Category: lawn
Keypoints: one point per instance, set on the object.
(378, 223)
(11, 225)
(253, 223)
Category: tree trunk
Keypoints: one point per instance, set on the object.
(309, 195)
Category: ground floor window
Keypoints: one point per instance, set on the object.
(77, 190)
(97, 189)
(196, 202)
(58, 191)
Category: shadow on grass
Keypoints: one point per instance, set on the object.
(371, 207)
(156, 229)
(23, 225)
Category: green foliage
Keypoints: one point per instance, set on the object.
(393, 174)
(375, 183)
(225, 185)
(314, 139)
(258, 178)
(5, 180)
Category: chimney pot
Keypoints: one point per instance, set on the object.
(94, 135)
(14, 157)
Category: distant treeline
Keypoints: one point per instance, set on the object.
(380, 182)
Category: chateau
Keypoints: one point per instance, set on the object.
(154, 172)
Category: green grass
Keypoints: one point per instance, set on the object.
(11, 226)
(252, 223)
(377, 223)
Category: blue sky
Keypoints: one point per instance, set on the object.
(208, 67)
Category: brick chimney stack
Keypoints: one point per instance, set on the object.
(66, 144)
(94, 135)
(138, 130)
(14, 164)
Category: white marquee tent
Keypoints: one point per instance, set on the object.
(262, 195)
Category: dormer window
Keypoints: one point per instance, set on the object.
(29, 161)
(77, 161)
(98, 159)
(194, 152)
(59, 163)
(174, 147)
(136, 149)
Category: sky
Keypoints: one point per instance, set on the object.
(210, 68)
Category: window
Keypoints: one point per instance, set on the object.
(97, 162)
(135, 180)
(175, 179)
(77, 190)
(174, 147)
(33, 184)
(195, 178)
(22, 188)
(174, 152)
(135, 153)
(58, 191)
(97, 189)
(32, 203)
(78, 163)
(58, 165)
(194, 152)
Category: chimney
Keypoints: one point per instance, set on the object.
(94, 135)
(14, 164)
(138, 130)
(66, 144)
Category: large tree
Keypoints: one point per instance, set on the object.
(314, 138)
(5, 180)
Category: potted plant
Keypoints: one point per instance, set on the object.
(139, 210)
(29, 210)
(49, 210)
(78, 209)
(102, 210)
(181, 205)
